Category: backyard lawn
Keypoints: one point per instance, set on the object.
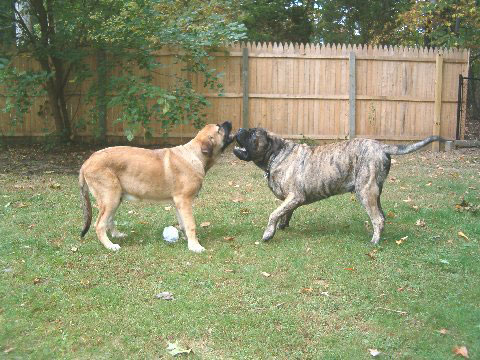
(318, 290)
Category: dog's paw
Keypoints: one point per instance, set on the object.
(268, 234)
(114, 247)
(196, 248)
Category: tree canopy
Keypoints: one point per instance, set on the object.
(61, 34)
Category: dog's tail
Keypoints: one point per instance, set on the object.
(406, 149)
(87, 206)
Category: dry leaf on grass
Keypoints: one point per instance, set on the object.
(205, 224)
(174, 350)
(391, 214)
(443, 331)
(306, 290)
(349, 269)
(168, 208)
(374, 352)
(401, 240)
(55, 186)
(228, 238)
(460, 350)
(266, 274)
(461, 234)
(165, 295)
(420, 222)
(238, 200)
(409, 199)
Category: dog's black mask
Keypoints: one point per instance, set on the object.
(227, 137)
(252, 144)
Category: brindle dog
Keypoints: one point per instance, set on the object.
(300, 174)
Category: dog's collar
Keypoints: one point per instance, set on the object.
(269, 166)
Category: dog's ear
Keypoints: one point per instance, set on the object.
(207, 146)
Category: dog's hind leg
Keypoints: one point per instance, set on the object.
(292, 202)
(369, 197)
(108, 199)
(113, 229)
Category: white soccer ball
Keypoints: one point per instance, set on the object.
(170, 234)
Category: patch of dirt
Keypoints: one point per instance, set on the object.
(35, 159)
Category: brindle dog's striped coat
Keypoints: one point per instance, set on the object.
(300, 174)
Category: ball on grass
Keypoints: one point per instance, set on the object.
(170, 234)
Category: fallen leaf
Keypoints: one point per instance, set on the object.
(429, 184)
(401, 240)
(371, 254)
(391, 214)
(165, 295)
(420, 222)
(37, 280)
(238, 200)
(245, 211)
(349, 269)
(228, 238)
(461, 234)
(408, 200)
(306, 290)
(460, 350)
(168, 208)
(55, 186)
(205, 224)
(74, 249)
(174, 350)
(374, 352)
(266, 274)
(10, 349)
(443, 331)
(229, 270)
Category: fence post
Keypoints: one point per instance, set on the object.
(245, 87)
(101, 96)
(459, 105)
(352, 95)
(437, 112)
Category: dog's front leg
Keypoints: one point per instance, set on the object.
(292, 202)
(184, 208)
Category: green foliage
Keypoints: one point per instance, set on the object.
(63, 34)
(20, 89)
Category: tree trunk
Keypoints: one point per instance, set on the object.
(59, 111)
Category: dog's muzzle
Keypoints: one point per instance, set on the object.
(240, 151)
(228, 138)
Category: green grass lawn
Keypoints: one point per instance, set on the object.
(330, 293)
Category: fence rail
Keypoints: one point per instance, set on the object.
(318, 92)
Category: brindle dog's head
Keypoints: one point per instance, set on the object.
(257, 145)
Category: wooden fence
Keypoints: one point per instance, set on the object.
(312, 91)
